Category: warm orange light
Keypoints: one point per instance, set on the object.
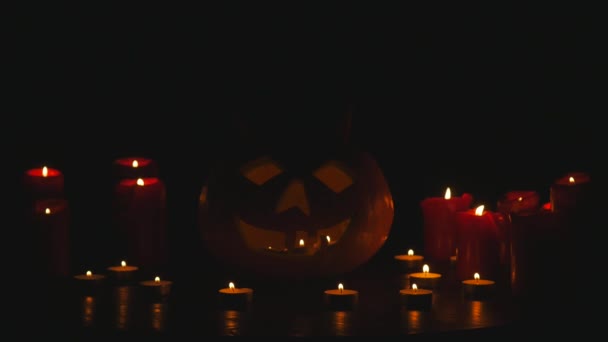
(89, 273)
(123, 263)
(476, 276)
(414, 287)
(519, 199)
(135, 164)
(47, 211)
(479, 210)
(410, 252)
(140, 182)
(328, 238)
(448, 193)
(157, 279)
(301, 243)
(231, 285)
(340, 287)
(571, 180)
(45, 171)
(425, 269)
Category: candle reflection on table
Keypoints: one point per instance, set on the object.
(88, 311)
(158, 316)
(233, 322)
(341, 323)
(414, 321)
(123, 297)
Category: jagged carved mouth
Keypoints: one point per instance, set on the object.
(296, 242)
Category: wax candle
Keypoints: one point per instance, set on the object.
(416, 299)
(157, 287)
(439, 224)
(140, 216)
(478, 241)
(234, 297)
(51, 230)
(477, 288)
(410, 260)
(44, 182)
(89, 282)
(426, 279)
(123, 272)
(341, 298)
(517, 201)
(135, 167)
(571, 192)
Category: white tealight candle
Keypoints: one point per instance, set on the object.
(416, 299)
(234, 297)
(477, 288)
(409, 260)
(426, 279)
(341, 298)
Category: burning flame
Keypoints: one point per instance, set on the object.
(414, 287)
(135, 164)
(47, 211)
(328, 238)
(140, 182)
(476, 276)
(448, 193)
(410, 252)
(571, 180)
(340, 287)
(425, 269)
(519, 199)
(231, 285)
(123, 263)
(479, 210)
(45, 172)
(89, 273)
(301, 243)
(157, 279)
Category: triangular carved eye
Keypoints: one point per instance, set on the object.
(261, 171)
(334, 176)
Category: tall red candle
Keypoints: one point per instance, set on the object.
(571, 193)
(439, 214)
(44, 182)
(478, 243)
(140, 215)
(51, 236)
(135, 167)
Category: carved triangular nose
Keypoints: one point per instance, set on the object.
(294, 196)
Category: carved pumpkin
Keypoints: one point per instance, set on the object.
(283, 214)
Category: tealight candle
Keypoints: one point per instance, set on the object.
(234, 297)
(157, 287)
(410, 260)
(477, 288)
(416, 299)
(341, 298)
(426, 279)
(89, 281)
(44, 182)
(123, 272)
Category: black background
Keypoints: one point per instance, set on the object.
(481, 98)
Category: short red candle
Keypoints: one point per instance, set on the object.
(570, 192)
(140, 216)
(440, 225)
(478, 243)
(519, 201)
(44, 182)
(51, 225)
(135, 167)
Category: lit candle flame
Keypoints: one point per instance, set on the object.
(123, 263)
(410, 252)
(135, 164)
(571, 180)
(476, 276)
(414, 287)
(47, 211)
(301, 243)
(448, 193)
(45, 171)
(328, 238)
(340, 287)
(519, 199)
(231, 286)
(140, 182)
(89, 273)
(425, 269)
(157, 279)
(479, 210)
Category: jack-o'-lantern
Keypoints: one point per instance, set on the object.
(293, 214)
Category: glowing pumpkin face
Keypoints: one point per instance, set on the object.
(297, 219)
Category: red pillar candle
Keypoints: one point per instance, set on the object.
(478, 243)
(440, 225)
(51, 231)
(140, 216)
(135, 167)
(518, 201)
(570, 192)
(44, 182)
